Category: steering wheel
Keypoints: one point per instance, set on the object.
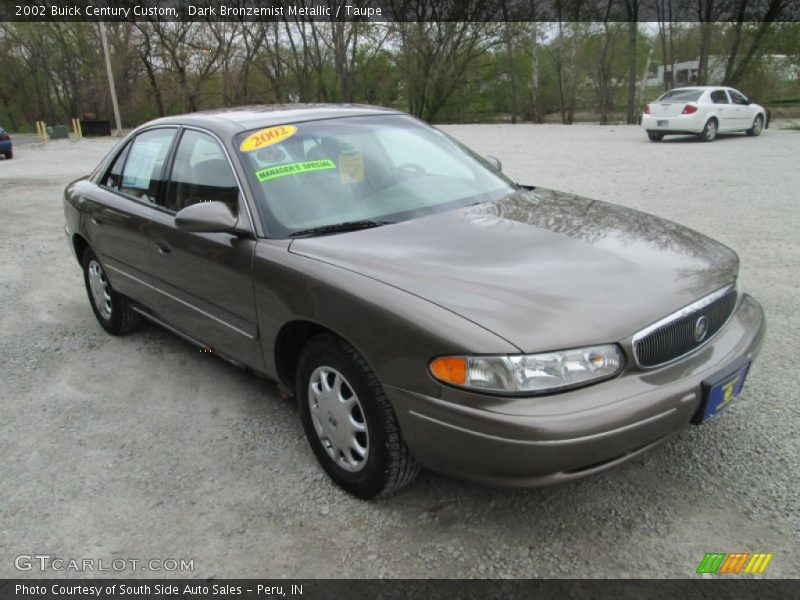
(406, 168)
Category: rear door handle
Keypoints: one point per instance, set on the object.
(97, 220)
(163, 248)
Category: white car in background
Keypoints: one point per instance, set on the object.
(703, 111)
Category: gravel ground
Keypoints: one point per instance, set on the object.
(142, 447)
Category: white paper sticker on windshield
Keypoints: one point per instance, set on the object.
(351, 167)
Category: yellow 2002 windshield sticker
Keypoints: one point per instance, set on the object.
(267, 137)
(293, 169)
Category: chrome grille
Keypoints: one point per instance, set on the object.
(674, 336)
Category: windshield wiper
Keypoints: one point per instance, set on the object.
(340, 227)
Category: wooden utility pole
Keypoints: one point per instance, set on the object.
(110, 74)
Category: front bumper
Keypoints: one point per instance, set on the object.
(526, 442)
(693, 123)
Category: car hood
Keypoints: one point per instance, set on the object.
(542, 269)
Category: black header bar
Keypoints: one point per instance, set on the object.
(400, 10)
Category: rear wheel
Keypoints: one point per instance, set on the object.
(348, 420)
(111, 309)
(758, 126)
(709, 132)
(655, 137)
(9, 154)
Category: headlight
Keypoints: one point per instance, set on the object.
(529, 373)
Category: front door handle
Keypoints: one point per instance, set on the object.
(97, 220)
(163, 248)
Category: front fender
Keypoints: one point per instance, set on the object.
(396, 332)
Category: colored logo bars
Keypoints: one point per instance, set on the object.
(720, 562)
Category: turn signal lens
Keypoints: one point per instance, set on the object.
(450, 369)
(689, 109)
(543, 373)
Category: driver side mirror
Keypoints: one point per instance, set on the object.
(206, 217)
(495, 162)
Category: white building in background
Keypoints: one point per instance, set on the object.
(686, 71)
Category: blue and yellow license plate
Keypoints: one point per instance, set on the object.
(720, 391)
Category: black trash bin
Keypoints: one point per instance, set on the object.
(94, 127)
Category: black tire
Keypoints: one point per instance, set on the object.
(709, 133)
(122, 318)
(655, 137)
(757, 128)
(9, 154)
(388, 465)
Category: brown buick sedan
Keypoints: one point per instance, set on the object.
(423, 308)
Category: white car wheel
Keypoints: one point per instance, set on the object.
(758, 126)
(709, 132)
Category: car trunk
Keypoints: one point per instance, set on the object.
(667, 109)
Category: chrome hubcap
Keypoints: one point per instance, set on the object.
(712, 130)
(757, 126)
(338, 419)
(101, 291)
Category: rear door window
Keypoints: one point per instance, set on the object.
(144, 166)
(719, 97)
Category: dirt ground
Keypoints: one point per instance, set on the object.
(143, 448)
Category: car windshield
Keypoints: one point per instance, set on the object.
(682, 95)
(320, 175)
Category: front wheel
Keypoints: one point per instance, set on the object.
(655, 137)
(349, 422)
(709, 132)
(112, 310)
(757, 128)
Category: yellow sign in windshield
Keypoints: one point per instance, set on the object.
(267, 137)
(293, 169)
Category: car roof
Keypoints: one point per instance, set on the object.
(242, 118)
(703, 87)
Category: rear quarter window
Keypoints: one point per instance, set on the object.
(114, 175)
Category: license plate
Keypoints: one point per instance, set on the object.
(720, 391)
(662, 123)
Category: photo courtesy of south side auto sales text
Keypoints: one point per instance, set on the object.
(158, 590)
(191, 10)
